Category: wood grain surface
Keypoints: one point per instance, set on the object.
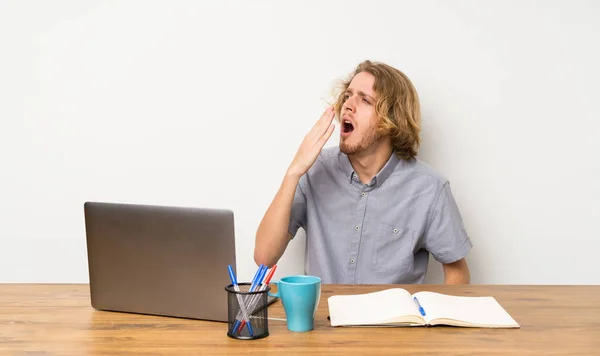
(57, 319)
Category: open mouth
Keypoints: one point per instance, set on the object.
(347, 127)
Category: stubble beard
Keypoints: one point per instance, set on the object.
(371, 137)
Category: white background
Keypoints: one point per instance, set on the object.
(204, 103)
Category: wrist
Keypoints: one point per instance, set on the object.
(292, 174)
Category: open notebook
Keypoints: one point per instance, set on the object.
(397, 306)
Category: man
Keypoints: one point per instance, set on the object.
(371, 210)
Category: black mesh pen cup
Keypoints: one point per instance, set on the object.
(247, 312)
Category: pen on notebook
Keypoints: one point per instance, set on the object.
(239, 325)
(421, 310)
(240, 302)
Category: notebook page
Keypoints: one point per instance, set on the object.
(475, 311)
(371, 308)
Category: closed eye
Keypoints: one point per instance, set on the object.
(365, 98)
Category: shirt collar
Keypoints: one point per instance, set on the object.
(379, 178)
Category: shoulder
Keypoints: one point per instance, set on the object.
(421, 176)
(422, 169)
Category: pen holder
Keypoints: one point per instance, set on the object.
(247, 312)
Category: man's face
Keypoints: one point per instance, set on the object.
(358, 122)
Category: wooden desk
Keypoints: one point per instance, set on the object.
(58, 320)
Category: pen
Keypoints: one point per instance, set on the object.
(268, 278)
(261, 274)
(236, 325)
(257, 273)
(240, 302)
(256, 281)
(263, 286)
(421, 310)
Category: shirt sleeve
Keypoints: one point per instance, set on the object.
(298, 213)
(445, 237)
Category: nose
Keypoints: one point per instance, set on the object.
(349, 104)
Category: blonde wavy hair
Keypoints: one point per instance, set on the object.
(397, 106)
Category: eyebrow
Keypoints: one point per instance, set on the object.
(361, 93)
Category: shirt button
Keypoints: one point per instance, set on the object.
(356, 227)
(352, 260)
(363, 194)
(395, 231)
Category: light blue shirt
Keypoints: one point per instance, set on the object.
(380, 232)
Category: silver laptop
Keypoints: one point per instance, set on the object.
(159, 260)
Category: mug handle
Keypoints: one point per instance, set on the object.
(276, 295)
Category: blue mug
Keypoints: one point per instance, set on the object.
(300, 297)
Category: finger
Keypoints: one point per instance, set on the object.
(327, 135)
(328, 115)
(322, 124)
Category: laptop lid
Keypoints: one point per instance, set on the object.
(159, 260)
